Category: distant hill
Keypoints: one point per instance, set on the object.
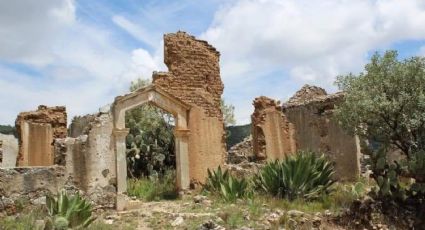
(237, 133)
(8, 129)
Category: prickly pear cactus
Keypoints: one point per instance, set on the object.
(150, 143)
(416, 167)
(387, 174)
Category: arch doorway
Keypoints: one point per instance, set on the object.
(180, 111)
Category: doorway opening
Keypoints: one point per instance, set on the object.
(150, 153)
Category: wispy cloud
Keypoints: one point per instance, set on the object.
(134, 30)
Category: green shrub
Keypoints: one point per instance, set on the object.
(384, 105)
(226, 186)
(154, 187)
(68, 211)
(303, 175)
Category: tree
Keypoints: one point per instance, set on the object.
(228, 113)
(385, 106)
(150, 142)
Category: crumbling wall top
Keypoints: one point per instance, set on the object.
(312, 96)
(56, 116)
(194, 72)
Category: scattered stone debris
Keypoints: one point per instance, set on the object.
(241, 152)
(177, 222)
(210, 225)
(244, 169)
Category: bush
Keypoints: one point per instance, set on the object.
(154, 187)
(68, 211)
(303, 175)
(226, 186)
(385, 106)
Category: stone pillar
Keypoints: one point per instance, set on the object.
(182, 158)
(120, 136)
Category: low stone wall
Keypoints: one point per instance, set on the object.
(32, 183)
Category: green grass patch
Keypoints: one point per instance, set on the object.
(154, 188)
(23, 221)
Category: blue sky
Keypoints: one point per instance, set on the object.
(84, 53)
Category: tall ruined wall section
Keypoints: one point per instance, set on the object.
(194, 78)
(272, 134)
(194, 72)
(36, 132)
(311, 113)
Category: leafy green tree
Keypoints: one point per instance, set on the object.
(150, 142)
(385, 107)
(7, 129)
(228, 113)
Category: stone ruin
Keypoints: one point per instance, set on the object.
(272, 134)
(305, 122)
(93, 160)
(37, 131)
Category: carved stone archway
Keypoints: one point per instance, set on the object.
(160, 98)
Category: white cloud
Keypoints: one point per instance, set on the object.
(314, 40)
(26, 26)
(303, 41)
(75, 64)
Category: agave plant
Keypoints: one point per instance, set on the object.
(232, 188)
(303, 175)
(215, 179)
(225, 185)
(69, 211)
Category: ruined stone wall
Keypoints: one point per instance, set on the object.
(90, 159)
(272, 134)
(194, 78)
(311, 113)
(9, 150)
(36, 132)
(32, 184)
(79, 125)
